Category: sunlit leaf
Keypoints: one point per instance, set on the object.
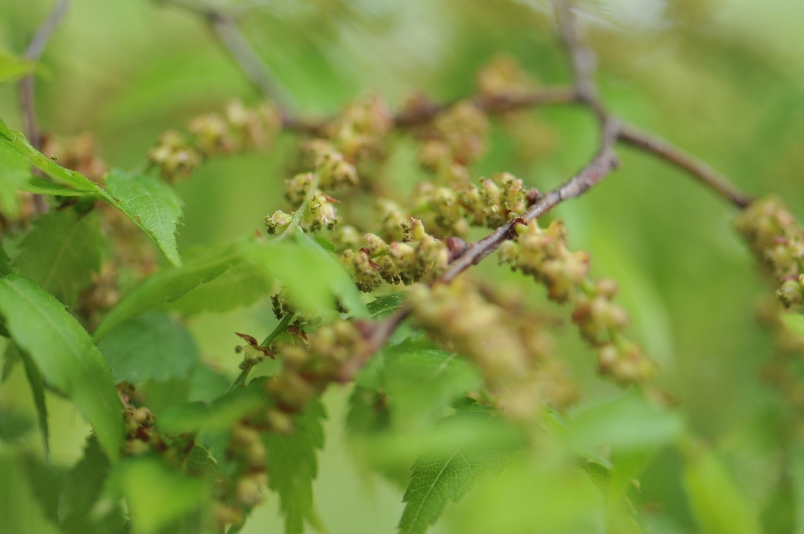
(64, 354)
(150, 346)
(153, 204)
(61, 253)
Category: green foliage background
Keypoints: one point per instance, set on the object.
(720, 78)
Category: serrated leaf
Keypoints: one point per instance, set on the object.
(64, 354)
(61, 253)
(293, 466)
(241, 285)
(81, 491)
(153, 204)
(201, 464)
(716, 502)
(170, 284)
(152, 346)
(13, 67)
(19, 510)
(156, 494)
(40, 186)
(386, 305)
(14, 171)
(437, 479)
(313, 277)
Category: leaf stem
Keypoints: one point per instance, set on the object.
(241, 378)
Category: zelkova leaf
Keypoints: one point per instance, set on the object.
(151, 346)
(715, 500)
(64, 354)
(437, 479)
(61, 253)
(153, 204)
(385, 305)
(38, 391)
(40, 186)
(293, 466)
(14, 171)
(170, 284)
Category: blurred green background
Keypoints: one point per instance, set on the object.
(720, 78)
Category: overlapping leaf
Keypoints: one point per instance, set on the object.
(14, 172)
(64, 354)
(61, 253)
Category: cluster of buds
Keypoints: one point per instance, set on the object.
(443, 205)
(544, 254)
(333, 169)
(237, 129)
(140, 432)
(360, 130)
(247, 450)
(777, 240)
(423, 257)
(77, 153)
(510, 352)
(458, 136)
(394, 224)
(494, 201)
(504, 79)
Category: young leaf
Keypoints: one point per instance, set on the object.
(19, 509)
(39, 186)
(715, 500)
(153, 204)
(386, 305)
(64, 354)
(241, 285)
(61, 253)
(157, 494)
(437, 479)
(293, 467)
(170, 284)
(14, 171)
(151, 346)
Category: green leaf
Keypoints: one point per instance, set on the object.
(293, 466)
(151, 346)
(170, 284)
(5, 263)
(47, 484)
(82, 491)
(716, 502)
(64, 354)
(153, 204)
(312, 276)
(40, 186)
(61, 253)
(156, 494)
(439, 478)
(386, 305)
(627, 424)
(241, 285)
(13, 67)
(13, 425)
(14, 171)
(38, 392)
(794, 322)
(19, 509)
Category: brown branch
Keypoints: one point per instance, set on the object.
(239, 48)
(698, 169)
(27, 83)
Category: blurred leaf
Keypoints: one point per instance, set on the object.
(19, 511)
(40, 186)
(532, 497)
(5, 262)
(82, 489)
(38, 392)
(795, 322)
(14, 171)
(61, 253)
(242, 284)
(312, 276)
(716, 502)
(47, 483)
(437, 479)
(170, 284)
(293, 466)
(156, 494)
(626, 424)
(13, 67)
(153, 204)
(13, 425)
(206, 384)
(200, 464)
(64, 354)
(386, 305)
(151, 346)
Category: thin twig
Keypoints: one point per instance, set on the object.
(238, 46)
(26, 87)
(697, 168)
